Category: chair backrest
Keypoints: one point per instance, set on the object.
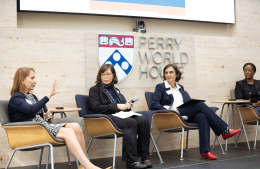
(82, 102)
(148, 97)
(4, 116)
(232, 93)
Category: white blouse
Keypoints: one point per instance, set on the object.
(178, 99)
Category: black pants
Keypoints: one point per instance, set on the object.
(133, 147)
(200, 113)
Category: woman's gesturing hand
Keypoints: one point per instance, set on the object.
(53, 89)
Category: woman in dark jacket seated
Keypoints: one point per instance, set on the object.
(105, 98)
(24, 106)
(249, 88)
(169, 95)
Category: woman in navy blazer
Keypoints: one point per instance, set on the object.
(24, 106)
(249, 88)
(169, 95)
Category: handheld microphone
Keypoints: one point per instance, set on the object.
(134, 100)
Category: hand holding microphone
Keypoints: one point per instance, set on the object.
(127, 105)
(133, 100)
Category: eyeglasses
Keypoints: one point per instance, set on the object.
(106, 75)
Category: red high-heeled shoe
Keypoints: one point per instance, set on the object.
(209, 156)
(232, 133)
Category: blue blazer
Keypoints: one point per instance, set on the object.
(19, 110)
(161, 98)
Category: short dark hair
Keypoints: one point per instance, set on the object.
(102, 69)
(177, 71)
(251, 64)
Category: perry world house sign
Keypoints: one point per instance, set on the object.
(118, 50)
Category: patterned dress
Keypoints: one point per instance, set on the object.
(53, 128)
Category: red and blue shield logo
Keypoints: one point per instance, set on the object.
(118, 50)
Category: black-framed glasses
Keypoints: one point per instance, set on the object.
(106, 75)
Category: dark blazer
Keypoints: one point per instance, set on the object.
(19, 110)
(99, 103)
(161, 98)
(242, 90)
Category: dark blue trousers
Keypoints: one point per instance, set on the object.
(200, 113)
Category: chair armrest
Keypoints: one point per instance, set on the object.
(100, 124)
(26, 123)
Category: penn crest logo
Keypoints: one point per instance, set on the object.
(118, 50)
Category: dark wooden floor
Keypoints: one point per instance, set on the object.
(235, 158)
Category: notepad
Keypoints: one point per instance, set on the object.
(123, 114)
(190, 102)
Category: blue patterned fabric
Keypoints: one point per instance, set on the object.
(53, 128)
(112, 93)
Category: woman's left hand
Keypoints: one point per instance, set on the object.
(128, 104)
(53, 89)
(48, 115)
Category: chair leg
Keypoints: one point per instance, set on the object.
(68, 154)
(220, 146)
(89, 144)
(114, 156)
(243, 126)
(234, 124)
(182, 140)
(187, 140)
(52, 159)
(156, 142)
(48, 156)
(220, 117)
(158, 153)
(40, 161)
(257, 122)
(77, 162)
(238, 135)
(10, 159)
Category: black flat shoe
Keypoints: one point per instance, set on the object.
(148, 163)
(135, 165)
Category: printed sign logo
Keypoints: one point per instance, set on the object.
(117, 50)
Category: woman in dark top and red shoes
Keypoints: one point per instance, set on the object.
(249, 88)
(169, 95)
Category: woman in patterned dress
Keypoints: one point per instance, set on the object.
(24, 106)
